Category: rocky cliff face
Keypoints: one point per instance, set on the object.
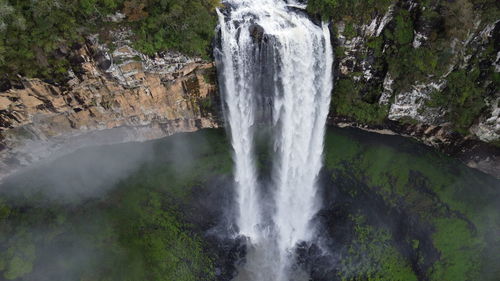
(112, 97)
(425, 69)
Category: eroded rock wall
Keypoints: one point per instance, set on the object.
(397, 68)
(423, 69)
(114, 97)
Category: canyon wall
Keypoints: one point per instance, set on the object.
(114, 96)
(424, 69)
(429, 70)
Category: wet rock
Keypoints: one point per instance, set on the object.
(103, 60)
(257, 33)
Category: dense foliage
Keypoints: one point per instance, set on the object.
(358, 10)
(346, 102)
(184, 25)
(468, 88)
(36, 36)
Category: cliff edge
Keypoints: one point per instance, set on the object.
(116, 96)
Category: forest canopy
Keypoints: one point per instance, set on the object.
(36, 34)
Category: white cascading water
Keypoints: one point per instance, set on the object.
(275, 62)
(238, 96)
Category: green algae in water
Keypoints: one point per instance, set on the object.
(459, 205)
(411, 213)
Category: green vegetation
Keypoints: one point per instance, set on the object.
(36, 37)
(463, 96)
(137, 231)
(403, 30)
(350, 100)
(355, 10)
(350, 31)
(187, 26)
(393, 52)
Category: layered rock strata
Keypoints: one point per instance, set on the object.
(112, 97)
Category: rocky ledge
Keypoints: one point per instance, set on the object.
(114, 97)
(471, 151)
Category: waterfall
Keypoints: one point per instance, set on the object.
(275, 71)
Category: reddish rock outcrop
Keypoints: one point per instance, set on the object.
(107, 102)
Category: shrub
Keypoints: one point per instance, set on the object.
(462, 97)
(35, 35)
(183, 25)
(347, 101)
(403, 32)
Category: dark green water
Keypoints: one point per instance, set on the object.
(406, 212)
(393, 210)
